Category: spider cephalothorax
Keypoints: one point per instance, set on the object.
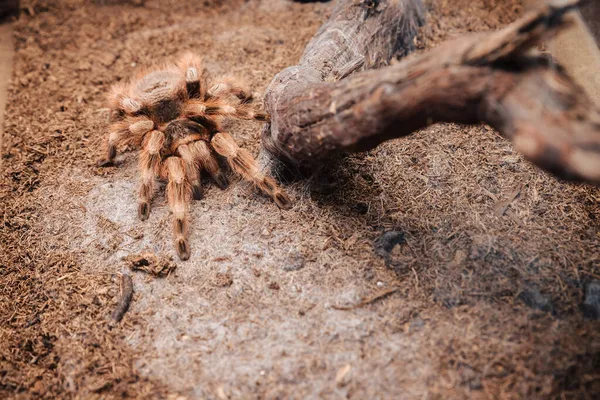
(174, 117)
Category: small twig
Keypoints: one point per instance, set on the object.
(508, 213)
(501, 206)
(125, 299)
(368, 300)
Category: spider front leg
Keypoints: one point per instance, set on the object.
(178, 195)
(121, 132)
(149, 164)
(216, 107)
(195, 81)
(229, 86)
(242, 162)
(222, 108)
(197, 156)
(206, 160)
(192, 170)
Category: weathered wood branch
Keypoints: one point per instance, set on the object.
(320, 108)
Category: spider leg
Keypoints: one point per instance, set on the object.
(242, 162)
(178, 194)
(121, 132)
(220, 108)
(197, 156)
(229, 86)
(206, 160)
(119, 100)
(192, 170)
(194, 75)
(149, 164)
(241, 111)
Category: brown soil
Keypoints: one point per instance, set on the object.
(6, 60)
(317, 302)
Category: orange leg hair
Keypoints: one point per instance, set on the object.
(207, 161)
(195, 79)
(219, 108)
(131, 130)
(179, 193)
(229, 86)
(242, 162)
(149, 165)
(192, 170)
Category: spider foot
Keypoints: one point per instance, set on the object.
(221, 180)
(196, 192)
(143, 211)
(105, 163)
(282, 200)
(183, 249)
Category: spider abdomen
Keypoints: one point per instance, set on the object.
(162, 94)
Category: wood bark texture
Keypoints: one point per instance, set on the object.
(591, 15)
(334, 102)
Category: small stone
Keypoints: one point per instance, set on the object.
(294, 262)
(416, 324)
(470, 377)
(223, 279)
(361, 208)
(380, 284)
(385, 243)
(591, 302)
(221, 393)
(176, 397)
(107, 59)
(536, 300)
(450, 298)
(459, 259)
(343, 375)
(39, 387)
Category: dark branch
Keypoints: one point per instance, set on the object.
(479, 79)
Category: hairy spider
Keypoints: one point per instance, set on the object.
(174, 117)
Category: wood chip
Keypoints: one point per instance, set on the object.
(150, 263)
(508, 213)
(501, 206)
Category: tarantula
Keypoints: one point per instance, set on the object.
(174, 117)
